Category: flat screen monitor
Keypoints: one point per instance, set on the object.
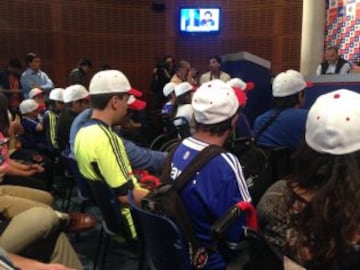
(199, 20)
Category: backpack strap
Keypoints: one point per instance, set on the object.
(267, 125)
(166, 170)
(196, 164)
(198, 254)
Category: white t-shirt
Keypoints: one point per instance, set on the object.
(332, 68)
(206, 77)
(187, 112)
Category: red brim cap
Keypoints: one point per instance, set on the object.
(41, 107)
(309, 84)
(241, 96)
(136, 104)
(250, 86)
(135, 92)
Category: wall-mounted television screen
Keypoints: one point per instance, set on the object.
(199, 20)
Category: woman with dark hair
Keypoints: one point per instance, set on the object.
(313, 216)
(17, 173)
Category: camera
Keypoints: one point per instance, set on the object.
(163, 65)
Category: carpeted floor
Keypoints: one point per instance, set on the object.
(119, 255)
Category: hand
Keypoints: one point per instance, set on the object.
(3, 169)
(38, 168)
(54, 266)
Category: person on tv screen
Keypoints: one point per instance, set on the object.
(208, 19)
(193, 20)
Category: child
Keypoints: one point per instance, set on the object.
(243, 129)
(168, 108)
(38, 95)
(55, 107)
(34, 136)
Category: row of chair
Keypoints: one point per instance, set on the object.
(164, 246)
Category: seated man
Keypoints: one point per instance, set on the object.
(43, 231)
(220, 183)
(139, 157)
(333, 63)
(50, 120)
(215, 71)
(284, 125)
(99, 151)
(76, 99)
(10, 261)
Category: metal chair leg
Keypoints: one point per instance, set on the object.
(105, 250)
(98, 248)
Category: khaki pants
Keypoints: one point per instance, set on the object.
(33, 224)
(16, 199)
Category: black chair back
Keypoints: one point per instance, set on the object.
(162, 240)
(182, 126)
(82, 186)
(109, 205)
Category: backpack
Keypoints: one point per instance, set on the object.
(256, 161)
(165, 200)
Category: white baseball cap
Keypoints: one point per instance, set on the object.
(169, 88)
(183, 88)
(289, 83)
(34, 92)
(237, 82)
(57, 94)
(75, 92)
(333, 125)
(28, 106)
(214, 102)
(111, 81)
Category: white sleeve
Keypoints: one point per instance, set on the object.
(318, 70)
(345, 69)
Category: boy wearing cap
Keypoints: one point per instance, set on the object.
(38, 95)
(99, 151)
(76, 99)
(220, 183)
(33, 136)
(33, 77)
(168, 91)
(50, 120)
(243, 129)
(284, 125)
(183, 92)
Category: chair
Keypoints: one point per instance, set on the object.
(110, 208)
(82, 187)
(169, 133)
(163, 241)
(262, 255)
(281, 161)
(182, 126)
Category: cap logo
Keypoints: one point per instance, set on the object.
(347, 118)
(336, 96)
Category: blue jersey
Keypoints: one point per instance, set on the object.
(216, 187)
(167, 109)
(31, 137)
(287, 130)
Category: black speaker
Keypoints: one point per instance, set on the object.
(156, 6)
